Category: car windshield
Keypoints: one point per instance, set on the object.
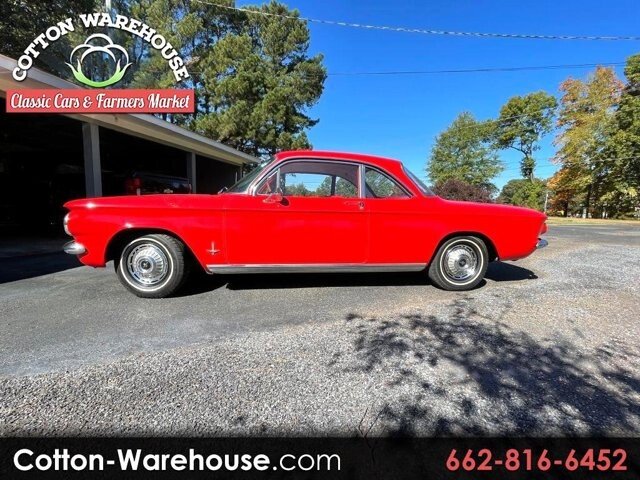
(419, 183)
(243, 184)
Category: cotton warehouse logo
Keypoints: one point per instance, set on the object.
(103, 45)
(100, 45)
(97, 62)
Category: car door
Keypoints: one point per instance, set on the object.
(304, 213)
(398, 222)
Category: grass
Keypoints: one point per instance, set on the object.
(589, 221)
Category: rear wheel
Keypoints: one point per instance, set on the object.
(153, 266)
(460, 263)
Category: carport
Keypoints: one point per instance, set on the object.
(46, 160)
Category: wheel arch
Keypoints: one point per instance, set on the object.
(123, 237)
(491, 248)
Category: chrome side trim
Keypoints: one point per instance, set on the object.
(74, 248)
(317, 268)
(541, 243)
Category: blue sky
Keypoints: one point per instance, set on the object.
(399, 116)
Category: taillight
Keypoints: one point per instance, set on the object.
(132, 186)
(543, 230)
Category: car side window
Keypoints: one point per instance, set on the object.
(379, 185)
(313, 179)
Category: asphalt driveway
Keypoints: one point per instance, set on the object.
(548, 345)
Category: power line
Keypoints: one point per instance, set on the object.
(426, 31)
(482, 123)
(545, 165)
(451, 71)
(548, 163)
(479, 70)
(454, 71)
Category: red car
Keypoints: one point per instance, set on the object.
(305, 211)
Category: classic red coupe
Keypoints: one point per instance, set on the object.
(305, 211)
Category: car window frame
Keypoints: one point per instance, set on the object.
(417, 183)
(276, 169)
(409, 194)
(265, 179)
(253, 188)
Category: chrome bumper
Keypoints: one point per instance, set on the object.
(74, 248)
(541, 243)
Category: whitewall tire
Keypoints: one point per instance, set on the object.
(459, 264)
(152, 266)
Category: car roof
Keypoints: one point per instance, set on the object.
(386, 163)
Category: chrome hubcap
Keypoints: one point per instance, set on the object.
(460, 262)
(147, 264)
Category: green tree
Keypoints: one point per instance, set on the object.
(522, 122)
(298, 190)
(586, 119)
(260, 82)
(252, 74)
(23, 20)
(565, 196)
(623, 147)
(193, 28)
(524, 192)
(464, 152)
(343, 188)
(175, 21)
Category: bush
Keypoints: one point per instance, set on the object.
(453, 189)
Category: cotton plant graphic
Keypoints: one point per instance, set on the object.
(109, 48)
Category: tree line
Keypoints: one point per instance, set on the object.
(596, 122)
(255, 81)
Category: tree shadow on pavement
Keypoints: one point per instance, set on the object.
(463, 373)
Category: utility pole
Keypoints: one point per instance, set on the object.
(546, 200)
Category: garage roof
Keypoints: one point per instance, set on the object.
(139, 125)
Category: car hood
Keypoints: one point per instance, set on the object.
(148, 201)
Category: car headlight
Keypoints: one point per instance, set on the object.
(65, 224)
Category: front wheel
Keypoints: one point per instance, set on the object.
(460, 263)
(153, 266)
